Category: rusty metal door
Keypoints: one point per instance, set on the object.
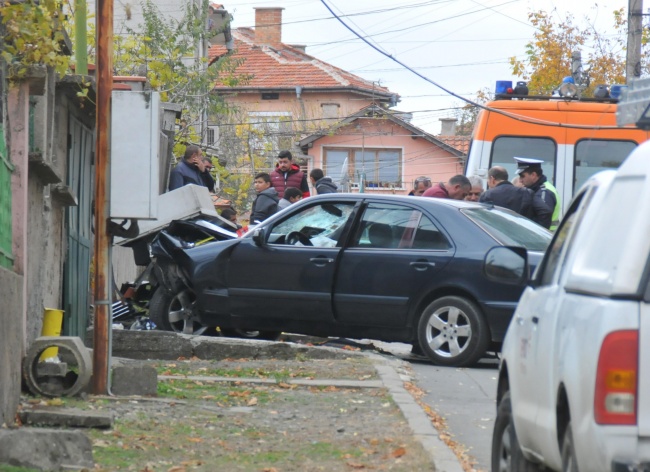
(80, 179)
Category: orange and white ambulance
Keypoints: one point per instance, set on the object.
(575, 139)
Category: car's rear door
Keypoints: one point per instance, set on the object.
(395, 252)
(290, 281)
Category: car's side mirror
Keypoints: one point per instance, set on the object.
(258, 237)
(507, 265)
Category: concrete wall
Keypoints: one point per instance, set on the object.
(46, 214)
(11, 345)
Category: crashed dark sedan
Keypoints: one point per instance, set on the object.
(431, 272)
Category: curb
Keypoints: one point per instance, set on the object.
(442, 457)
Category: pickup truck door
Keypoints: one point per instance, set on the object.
(536, 323)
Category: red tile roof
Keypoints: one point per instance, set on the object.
(283, 66)
(461, 143)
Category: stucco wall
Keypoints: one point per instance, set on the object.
(11, 320)
(419, 156)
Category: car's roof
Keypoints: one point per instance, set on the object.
(399, 198)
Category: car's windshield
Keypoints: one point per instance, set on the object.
(322, 224)
(510, 228)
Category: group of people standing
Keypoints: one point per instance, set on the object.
(287, 184)
(533, 196)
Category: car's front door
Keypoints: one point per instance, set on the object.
(395, 252)
(291, 275)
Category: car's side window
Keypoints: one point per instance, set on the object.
(318, 225)
(388, 226)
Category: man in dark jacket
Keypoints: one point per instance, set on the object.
(321, 183)
(187, 171)
(288, 174)
(504, 194)
(266, 203)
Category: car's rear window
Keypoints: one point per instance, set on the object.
(510, 228)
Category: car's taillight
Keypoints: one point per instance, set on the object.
(616, 379)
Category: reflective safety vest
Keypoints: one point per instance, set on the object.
(555, 217)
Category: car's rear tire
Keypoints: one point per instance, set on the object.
(251, 334)
(506, 453)
(173, 311)
(569, 463)
(453, 332)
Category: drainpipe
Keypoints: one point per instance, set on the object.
(80, 52)
(102, 300)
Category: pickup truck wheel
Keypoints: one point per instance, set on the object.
(569, 463)
(452, 332)
(506, 453)
(173, 312)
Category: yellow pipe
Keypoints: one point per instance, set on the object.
(52, 322)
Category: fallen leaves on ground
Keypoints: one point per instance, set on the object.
(441, 425)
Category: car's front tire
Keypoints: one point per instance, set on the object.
(506, 453)
(453, 332)
(173, 311)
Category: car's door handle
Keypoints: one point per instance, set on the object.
(422, 265)
(321, 260)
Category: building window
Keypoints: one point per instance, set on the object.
(273, 131)
(270, 96)
(212, 135)
(382, 167)
(330, 110)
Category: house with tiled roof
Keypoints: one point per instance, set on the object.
(330, 117)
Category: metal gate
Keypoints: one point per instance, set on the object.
(76, 297)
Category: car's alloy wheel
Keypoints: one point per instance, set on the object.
(506, 453)
(173, 312)
(452, 331)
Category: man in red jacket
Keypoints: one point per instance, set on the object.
(456, 188)
(288, 174)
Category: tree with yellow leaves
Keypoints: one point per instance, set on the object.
(548, 54)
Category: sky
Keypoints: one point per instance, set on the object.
(462, 45)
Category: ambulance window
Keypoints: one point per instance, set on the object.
(506, 148)
(594, 155)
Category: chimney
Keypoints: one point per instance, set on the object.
(448, 127)
(268, 25)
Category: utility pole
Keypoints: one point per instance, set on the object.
(102, 323)
(634, 33)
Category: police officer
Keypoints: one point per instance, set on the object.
(546, 201)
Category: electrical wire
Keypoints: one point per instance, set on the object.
(466, 100)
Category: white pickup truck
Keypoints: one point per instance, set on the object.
(572, 394)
